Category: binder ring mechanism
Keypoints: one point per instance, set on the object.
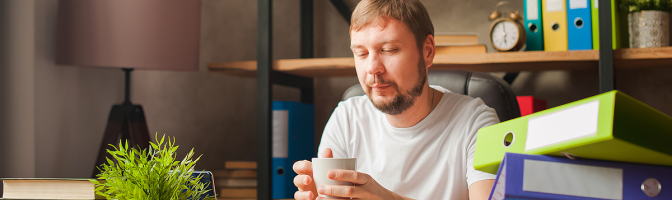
(651, 187)
(555, 26)
(509, 138)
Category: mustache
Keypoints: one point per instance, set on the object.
(379, 80)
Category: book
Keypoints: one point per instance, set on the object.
(472, 49)
(235, 183)
(238, 193)
(232, 173)
(240, 165)
(455, 39)
(45, 188)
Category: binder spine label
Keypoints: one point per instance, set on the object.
(573, 179)
(572, 123)
(578, 4)
(555, 6)
(532, 10)
(280, 133)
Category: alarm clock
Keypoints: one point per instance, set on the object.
(506, 33)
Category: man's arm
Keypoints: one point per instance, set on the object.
(480, 190)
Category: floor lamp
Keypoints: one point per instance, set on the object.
(128, 34)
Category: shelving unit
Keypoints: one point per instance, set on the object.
(489, 62)
(299, 72)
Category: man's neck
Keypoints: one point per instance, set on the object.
(420, 109)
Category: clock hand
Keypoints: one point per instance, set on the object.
(504, 30)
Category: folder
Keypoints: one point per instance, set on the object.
(533, 28)
(547, 177)
(293, 140)
(610, 126)
(620, 38)
(554, 25)
(579, 33)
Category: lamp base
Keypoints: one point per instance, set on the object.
(126, 122)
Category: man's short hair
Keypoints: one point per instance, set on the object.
(410, 12)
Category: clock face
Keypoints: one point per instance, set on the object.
(505, 35)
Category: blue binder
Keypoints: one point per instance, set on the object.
(523, 176)
(533, 26)
(293, 140)
(579, 22)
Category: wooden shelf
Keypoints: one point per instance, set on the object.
(489, 62)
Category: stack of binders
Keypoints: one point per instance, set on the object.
(561, 25)
(608, 146)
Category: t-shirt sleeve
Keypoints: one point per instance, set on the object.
(485, 116)
(334, 135)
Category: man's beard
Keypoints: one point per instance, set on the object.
(401, 102)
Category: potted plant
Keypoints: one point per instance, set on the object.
(150, 174)
(649, 22)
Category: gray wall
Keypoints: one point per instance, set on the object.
(17, 97)
(52, 117)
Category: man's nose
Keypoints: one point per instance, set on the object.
(375, 64)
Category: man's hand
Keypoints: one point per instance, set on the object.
(365, 187)
(304, 179)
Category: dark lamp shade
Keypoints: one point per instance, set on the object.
(141, 34)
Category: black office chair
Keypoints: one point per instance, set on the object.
(492, 90)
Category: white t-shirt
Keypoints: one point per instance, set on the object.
(430, 160)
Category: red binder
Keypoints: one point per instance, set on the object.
(529, 105)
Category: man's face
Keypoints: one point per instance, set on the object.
(389, 65)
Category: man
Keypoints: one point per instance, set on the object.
(411, 141)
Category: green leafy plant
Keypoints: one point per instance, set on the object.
(152, 174)
(641, 5)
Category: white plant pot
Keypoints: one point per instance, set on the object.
(649, 28)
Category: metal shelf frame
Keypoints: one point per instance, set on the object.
(606, 63)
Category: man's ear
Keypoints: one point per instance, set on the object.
(429, 50)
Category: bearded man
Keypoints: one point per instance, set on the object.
(411, 141)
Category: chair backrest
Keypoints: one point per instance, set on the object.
(492, 90)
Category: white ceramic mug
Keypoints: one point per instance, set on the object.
(322, 166)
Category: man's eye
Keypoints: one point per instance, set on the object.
(361, 54)
(389, 50)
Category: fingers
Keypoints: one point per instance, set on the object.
(349, 176)
(303, 195)
(327, 153)
(302, 181)
(339, 191)
(303, 167)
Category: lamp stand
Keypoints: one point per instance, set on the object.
(126, 122)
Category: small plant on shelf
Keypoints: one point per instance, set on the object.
(149, 174)
(648, 22)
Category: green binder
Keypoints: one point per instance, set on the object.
(610, 126)
(620, 38)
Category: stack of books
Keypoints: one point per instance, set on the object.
(609, 146)
(457, 43)
(237, 181)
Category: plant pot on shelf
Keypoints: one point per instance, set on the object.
(649, 28)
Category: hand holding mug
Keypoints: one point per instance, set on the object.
(304, 180)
